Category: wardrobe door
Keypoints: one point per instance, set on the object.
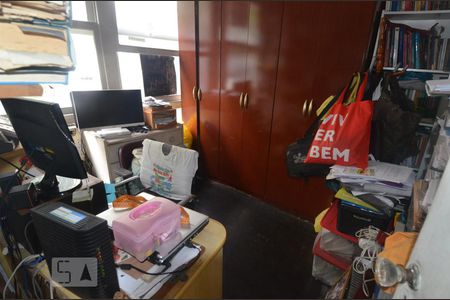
(209, 83)
(322, 44)
(235, 16)
(295, 78)
(188, 68)
(342, 49)
(261, 72)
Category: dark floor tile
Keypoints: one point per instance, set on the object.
(267, 253)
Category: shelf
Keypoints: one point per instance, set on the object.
(419, 70)
(8, 91)
(418, 15)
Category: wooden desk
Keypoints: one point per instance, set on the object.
(204, 277)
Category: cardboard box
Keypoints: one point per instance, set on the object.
(160, 118)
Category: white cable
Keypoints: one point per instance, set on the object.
(51, 288)
(26, 259)
(370, 249)
(36, 285)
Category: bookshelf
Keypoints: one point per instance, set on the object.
(407, 30)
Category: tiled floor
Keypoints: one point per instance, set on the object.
(267, 253)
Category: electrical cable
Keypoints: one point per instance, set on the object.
(25, 231)
(187, 266)
(15, 270)
(15, 166)
(51, 288)
(36, 286)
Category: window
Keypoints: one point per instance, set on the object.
(131, 72)
(86, 76)
(151, 24)
(79, 11)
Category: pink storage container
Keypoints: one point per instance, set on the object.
(146, 226)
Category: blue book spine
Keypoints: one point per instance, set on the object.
(416, 50)
(400, 47)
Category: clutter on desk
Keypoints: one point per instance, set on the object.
(146, 226)
(36, 43)
(159, 114)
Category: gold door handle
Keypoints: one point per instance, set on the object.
(246, 101)
(241, 100)
(305, 105)
(194, 93)
(199, 94)
(310, 107)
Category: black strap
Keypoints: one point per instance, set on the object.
(311, 130)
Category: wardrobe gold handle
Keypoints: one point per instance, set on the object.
(305, 104)
(241, 99)
(199, 94)
(194, 93)
(246, 100)
(310, 107)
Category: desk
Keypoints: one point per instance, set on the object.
(204, 276)
(104, 153)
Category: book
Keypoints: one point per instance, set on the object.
(442, 54)
(387, 47)
(388, 5)
(32, 78)
(396, 42)
(416, 51)
(446, 66)
(400, 47)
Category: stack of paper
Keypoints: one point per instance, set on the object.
(35, 44)
(381, 187)
(438, 87)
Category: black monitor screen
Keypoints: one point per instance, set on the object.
(108, 108)
(43, 133)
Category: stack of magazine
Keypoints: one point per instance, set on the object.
(35, 42)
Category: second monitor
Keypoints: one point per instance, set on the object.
(107, 108)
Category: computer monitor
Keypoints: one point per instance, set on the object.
(107, 108)
(46, 139)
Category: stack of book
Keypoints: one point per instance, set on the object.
(35, 42)
(416, 5)
(416, 48)
(381, 187)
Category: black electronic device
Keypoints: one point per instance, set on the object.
(8, 180)
(65, 231)
(107, 108)
(46, 139)
(22, 197)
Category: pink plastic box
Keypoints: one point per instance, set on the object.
(146, 226)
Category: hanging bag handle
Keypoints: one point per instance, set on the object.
(354, 85)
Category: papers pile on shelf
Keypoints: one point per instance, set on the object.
(437, 87)
(382, 187)
(35, 43)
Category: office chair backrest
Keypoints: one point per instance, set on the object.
(168, 174)
(126, 154)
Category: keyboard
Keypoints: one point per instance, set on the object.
(138, 129)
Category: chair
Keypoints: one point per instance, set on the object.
(125, 160)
